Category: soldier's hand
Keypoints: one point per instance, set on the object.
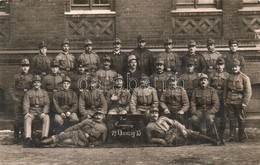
(68, 114)
(114, 97)
(87, 135)
(181, 112)
(166, 111)
(243, 105)
(184, 133)
(163, 142)
(42, 115)
(63, 115)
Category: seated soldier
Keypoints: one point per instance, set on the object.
(144, 97)
(89, 132)
(65, 105)
(118, 98)
(174, 101)
(36, 104)
(165, 131)
(204, 105)
(92, 100)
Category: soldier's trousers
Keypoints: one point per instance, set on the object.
(18, 121)
(28, 119)
(221, 114)
(197, 121)
(73, 118)
(236, 112)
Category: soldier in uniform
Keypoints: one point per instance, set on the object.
(22, 83)
(160, 77)
(171, 59)
(89, 132)
(133, 75)
(65, 103)
(65, 59)
(204, 105)
(174, 101)
(165, 131)
(92, 100)
(232, 55)
(41, 63)
(237, 94)
(200, 63)
(106, 75)
(36, 104)
(118, 58)
(144, 57)
(218, 80)
(144, 97)
(118, 98)
(89, 58)
(211, 56)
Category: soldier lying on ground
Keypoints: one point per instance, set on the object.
(89, 132)
(164, 131)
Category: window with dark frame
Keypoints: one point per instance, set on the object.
(196, 4)
(91, 4)
(3, 5)
(251, 3)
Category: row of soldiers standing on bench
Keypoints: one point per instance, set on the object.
(87, 75)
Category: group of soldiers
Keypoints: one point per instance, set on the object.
(72, 96)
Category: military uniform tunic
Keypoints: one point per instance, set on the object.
(119, 62)
(159, 82)
(190, 82)
(41, 65)
(90, 60)
(200, 63)
(107, 78)
(52, 83)
(211, 59)
(171, 61)
(66, 62)
(91, 101)
(229, 61)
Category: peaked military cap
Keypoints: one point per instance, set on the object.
(140, 38)
(131, 57)
(66, 79)
(36, 78)
(118, 76)
(154, 109)
(107, 58)
(159, 61)
(66, 41)
(232, 41)
(191, 62)
(99, 112)
(87, 42)
(42, 45)
(117, 40)
(144, 77)
(210, 41)
(25, 62)
(54, 64)
(220, 61)
(168, 41)
(236, 62)
(203, 76)
(191, 43)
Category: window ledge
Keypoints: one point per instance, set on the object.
(188, 10)
(250, 9)
(84, 12)
(3, 14)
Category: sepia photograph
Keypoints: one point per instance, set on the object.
(129, 82)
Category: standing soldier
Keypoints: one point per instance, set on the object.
(22, 83)
(106, 75)
(65, 105)
(174, 101)
(160, 77)
(118, 98)
(41, 63)
(36, 105)
(143, 56)
(92, 100)
(218, 80)
(65, 59)
(89, 58)
(237, 94)
(143, 98)
(200, 64)
(204, 105)
(232, 55)
(118, 58)
(133, 74)
(171, 59)
(211, 56)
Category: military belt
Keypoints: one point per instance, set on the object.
(25, 90)
(36, 106)
(235, 91)
(66, 69)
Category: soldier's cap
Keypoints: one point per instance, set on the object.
(236, 63)
(81, 65)
(118, 76)
(140, 38)
(66, 41)
(220, 61)
(210, 41)
(54, 64)
(99, 112)
(159, 61)
(42, 45)
(66, 79)
(191, 62)
(117, 41)
(171, 78)
(203, 76)
(168, 41)
(154, 109)
(106, 58)
(232, 41)
(25, 62)
(131, 57)
(87, 42)
(191, 43)
(144, 77)
(94, 80)
(36, 78)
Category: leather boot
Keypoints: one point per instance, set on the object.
(16, 134)
(241, 133)
(232, 131)
(43, 142)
